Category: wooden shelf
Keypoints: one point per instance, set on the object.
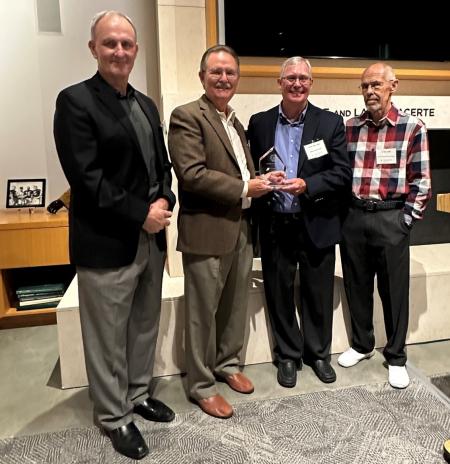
(14, 219)
(14, 318)
(443, 202)
(14, 312)
(39, 239)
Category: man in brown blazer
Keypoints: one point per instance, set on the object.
(216, 180)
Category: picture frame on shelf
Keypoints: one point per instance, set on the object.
(25, 193)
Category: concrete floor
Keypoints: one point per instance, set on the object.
(31, 400)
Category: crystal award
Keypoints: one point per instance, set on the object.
(269, 162)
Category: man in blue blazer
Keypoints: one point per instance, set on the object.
(300, 222)
(110, 144)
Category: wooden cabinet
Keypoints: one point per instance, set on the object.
(30, 242)
(443, 202)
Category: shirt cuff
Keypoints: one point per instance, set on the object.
(245, 190)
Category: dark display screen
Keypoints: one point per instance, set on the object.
(253, 28)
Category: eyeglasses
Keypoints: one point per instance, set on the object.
(292, 79)
(376, 85)
(216, 73)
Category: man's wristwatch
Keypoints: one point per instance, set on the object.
(408, 220)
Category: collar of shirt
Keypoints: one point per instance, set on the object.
(390, 118)
(231, 115)
(128, 96)
(285, 120)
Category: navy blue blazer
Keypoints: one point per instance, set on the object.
(328, 178)
(103, 163)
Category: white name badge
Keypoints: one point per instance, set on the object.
(387, 156)
(316, 149)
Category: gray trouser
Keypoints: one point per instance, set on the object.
(119, 311)
(216, 296)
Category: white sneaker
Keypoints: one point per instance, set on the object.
(351, 357)
(398, 376)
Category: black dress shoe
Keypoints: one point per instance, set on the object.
(127, 440)
(324, 370)
(154, 410)
(287, 373)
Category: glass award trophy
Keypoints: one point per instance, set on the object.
(269, 162)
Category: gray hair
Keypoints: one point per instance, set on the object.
(102, 14)
(217, 49)
(293, 61)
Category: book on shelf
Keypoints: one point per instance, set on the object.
(24, 304)
(40, 296)
(55, 289)
(49, 305)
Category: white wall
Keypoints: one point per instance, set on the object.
(21, 124)
(182, 41)
(36, 66)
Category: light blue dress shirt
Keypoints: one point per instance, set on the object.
(288, 138)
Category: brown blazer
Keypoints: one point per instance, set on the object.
(209, 180)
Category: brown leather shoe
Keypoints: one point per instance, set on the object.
(240, 383)
(216, 406)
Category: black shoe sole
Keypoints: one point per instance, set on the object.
(287, 384)
(324, 379)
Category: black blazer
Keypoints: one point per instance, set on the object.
(102, 160)
(328, 178)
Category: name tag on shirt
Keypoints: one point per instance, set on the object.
(387, 156)
(315, 149)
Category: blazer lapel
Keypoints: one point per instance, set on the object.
(309, 132)
(213, 118)
(271, 127)
(106, 94)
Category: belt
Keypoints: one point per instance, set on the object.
(377, 205)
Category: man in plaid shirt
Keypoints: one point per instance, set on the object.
(391, 187)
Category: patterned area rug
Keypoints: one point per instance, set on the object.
(359, 425)
(442, 382)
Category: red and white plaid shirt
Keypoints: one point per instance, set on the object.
(409, 177)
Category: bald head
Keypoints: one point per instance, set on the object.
(380, 69)
(108, 13)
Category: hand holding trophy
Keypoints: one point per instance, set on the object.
(272, 168)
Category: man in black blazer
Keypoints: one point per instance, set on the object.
(110, 144)
(299, 223)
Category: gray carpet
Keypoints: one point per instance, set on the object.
(359, 425)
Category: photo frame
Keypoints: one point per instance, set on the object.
(25, 193)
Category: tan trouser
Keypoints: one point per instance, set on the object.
(216, 296)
